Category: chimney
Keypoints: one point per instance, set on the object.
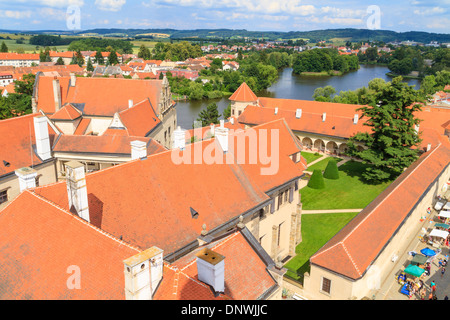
(355, 119)
(73, 79)
(276, 110)
(429, 147)
(27, 178)
(324, 117)
(143, 273)
(42, 138)
(213, 128)
(416, 127)
(221, 134)
(77, 190)
(298, 113)
(211, 269)
(130, 103)
(232, 120)
(57, 94)
(138, 150)
(179, 139)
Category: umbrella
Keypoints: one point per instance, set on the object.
(414, 270)
(428, 252)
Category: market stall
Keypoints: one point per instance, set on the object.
(419, 260)
(413, 283)
(438, 237)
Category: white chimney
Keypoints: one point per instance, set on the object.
(298, 113)
(27, 178)
(324, 117)
(57, 94)
(221, 134)
(213, 128)
(73, 79)
(138, 150)
(355, 119)
(143, 273)
(211, 269)
(416, 127)
(42, 138)
(429, 147)
(276, 110)
(232, 120)
(77, 190)
(130, 103)
(179, 139)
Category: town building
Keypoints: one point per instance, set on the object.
(19, 59)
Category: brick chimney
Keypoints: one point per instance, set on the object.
(77, 190)
(211, 269)
(42, 138)
(27, 178)
(57, 94)
(143, 273)
(138, 150)
(221, 134)
(179, 139)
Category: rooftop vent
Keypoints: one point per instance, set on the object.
(324, 117)
(194, 213)
(276, 110)
(298, 113)
(6, 163)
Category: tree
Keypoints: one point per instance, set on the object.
(331, 171)
(392, 144)
(324, 94)
(209, 115)
(112, 59)
(316, 181)
(60, 61)
(144, 53)
(89, 66)
(19, 103)
(99, 58)
(4, 47)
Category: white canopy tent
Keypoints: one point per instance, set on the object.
(444, 214)
(439, 233)
(447, 206)
(439, 205)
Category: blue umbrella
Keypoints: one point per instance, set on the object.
(428, 252)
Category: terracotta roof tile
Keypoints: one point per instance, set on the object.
(244, 94)
(68, 112)
(140, 119)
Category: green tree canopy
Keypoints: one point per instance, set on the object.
(4, 47)
(392, 144)
(316, 181)
(209, 115)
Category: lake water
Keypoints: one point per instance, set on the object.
(291, 86)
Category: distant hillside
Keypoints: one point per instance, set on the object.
(350, 34)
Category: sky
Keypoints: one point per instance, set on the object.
(252, 15)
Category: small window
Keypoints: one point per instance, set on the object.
(3, 196)
(326, 285)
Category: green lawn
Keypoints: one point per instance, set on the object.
(317, 229)
(322, 164)
(348, 192)
(310, 157)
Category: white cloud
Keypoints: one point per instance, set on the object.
(12, 14)
(430, 11)
(110, 5)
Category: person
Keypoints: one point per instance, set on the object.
(442, 271)
(445, 298)
(429, 210)
(440, 262)
(433, 286)
(422, 294)
(430, 296)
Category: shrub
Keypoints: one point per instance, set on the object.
(316, 181)
(331, 171)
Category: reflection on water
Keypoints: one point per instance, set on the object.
(290, 86)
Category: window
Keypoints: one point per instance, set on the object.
(326, 285)
(262, 214)
(279, 234)
(261, 239)
(3, 196)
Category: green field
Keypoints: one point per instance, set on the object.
(310, 157)
(322, 164)
(317, 229)
(348, 192)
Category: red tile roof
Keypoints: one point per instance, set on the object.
(240, 262)
(101, 96)
(19, 56)
(140, 119)
(109, 144)
(351, 251)
(82, 127)
(68, 112)
(36, 255)
(17, 141)
(129, 206)
(244, 94)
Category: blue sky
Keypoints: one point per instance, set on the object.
(262, 15)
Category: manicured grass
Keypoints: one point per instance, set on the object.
(321, 165)
(310, 157)
(317, 229)
(350, 191)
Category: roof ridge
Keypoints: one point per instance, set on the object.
(108, 235)
(351, 259)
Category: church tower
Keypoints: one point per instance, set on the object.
(243, 97)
